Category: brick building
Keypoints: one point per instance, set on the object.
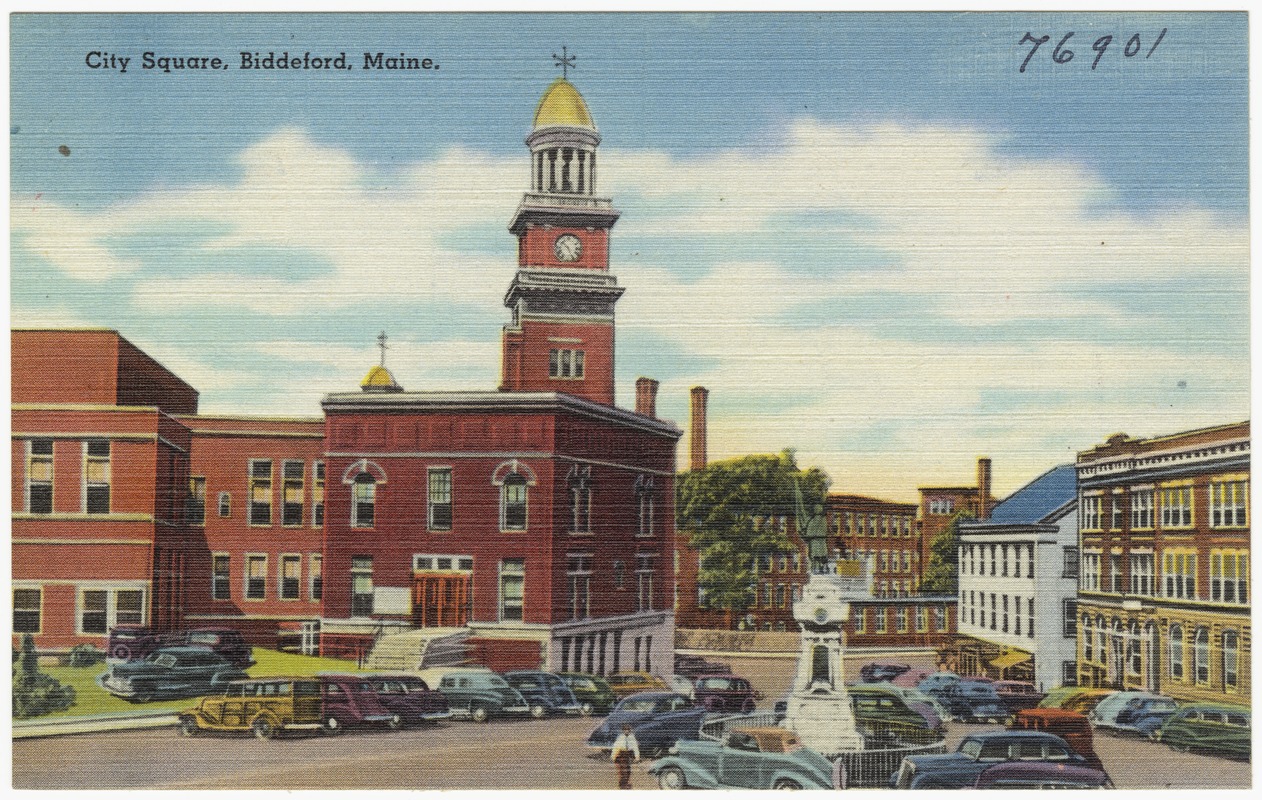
(1163, 592)
(883, 535)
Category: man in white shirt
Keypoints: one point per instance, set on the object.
(623, 748)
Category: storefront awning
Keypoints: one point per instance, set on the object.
(1010, 659)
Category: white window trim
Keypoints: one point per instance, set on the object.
(280, 577)
(245, 579)
(111, 589)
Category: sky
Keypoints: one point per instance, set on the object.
(873, 237)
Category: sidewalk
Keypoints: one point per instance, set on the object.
(61, 726)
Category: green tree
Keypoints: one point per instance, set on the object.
(718, 508)
(942, 572)
(34, 693)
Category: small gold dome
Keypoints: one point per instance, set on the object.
(379, 379)
(562, 106)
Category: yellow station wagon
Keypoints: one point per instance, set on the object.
(264, 706)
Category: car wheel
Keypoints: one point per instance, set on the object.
(122, 652)
(586, 709)
(748, 707)
(786, 783)
(332, 726)
(188, 727)
(479, 714)
(395, 722)
(264, 728)
(671, 778)
(538, 711)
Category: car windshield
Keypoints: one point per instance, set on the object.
(971, 748)
(162, 659)
(498, 683)
(203, 638)
(1162, 705)
(714, 683)
(638, 704)
(583, 683)
(526, 683)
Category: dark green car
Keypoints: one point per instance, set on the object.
(1214, 728)
(592, 691)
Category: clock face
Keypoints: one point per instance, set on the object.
(820, 615)
(568, 247)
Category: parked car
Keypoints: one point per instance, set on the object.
(625, 684)
(725, 693)
(937, 683)
(410, 697)
(881, 714)
(480, 694)
(352, 701)
(880, 671)
(169, 672)
(1016, 695)
(692, 666)
(682, 684)
(659, 719)
(593, 692)
(912, 677)
(1084, 701)
(974, 701)
(1042, 775)
(976, 753)
(911, 695)
(1068, 725)
(134, 642)
(1135, 712)
(266, 707)
(1219, 729)
(751, 758)
(226, 642)
(544, 692)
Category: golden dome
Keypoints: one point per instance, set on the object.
(562, 106)
(379, 379)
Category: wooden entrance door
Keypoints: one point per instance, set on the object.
(440, 599)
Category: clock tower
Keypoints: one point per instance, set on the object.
(561, 336)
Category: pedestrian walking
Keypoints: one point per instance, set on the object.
(623, 748)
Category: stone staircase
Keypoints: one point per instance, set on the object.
(413, 650)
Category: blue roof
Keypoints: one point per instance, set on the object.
(1036, 500)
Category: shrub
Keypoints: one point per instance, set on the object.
(34, 693)
(85, 655)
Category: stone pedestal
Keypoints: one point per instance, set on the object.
(819, 706)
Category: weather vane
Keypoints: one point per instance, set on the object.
(381, 342)
(565, 61)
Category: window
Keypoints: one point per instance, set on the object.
(1231, 661)
(922, 620)
(1201, 649)
(1141, 509)
(1016, 560)
(1005, 613)
(1229, 504)
(1115, 572)
(196, 510)
(225, 504)
(1016, 617)
(580, 488)
(884, 561)
(1003, 551)
(291, 494)
(1118, 514)
(440, 499)
(644, 582)
(1087, 638)
(1090, 578)
(781, 596)
(994, 560)
(317, 494)
(363, 501)
(1029, 561)
(861, 620)
(102, 609)
(940, 618)
(1229, 576)
(993, 625)
(1101, 640)
(96, 474)
(941, 506)
(880, 619)
(900, 618)
(39, 476)
(1142, 571)
(290, 577)
(26, 610)
(255, 577)
(260, 492)
(221, 576)
(1176, 507)
(512, 589)
(1029, 617)
(513, 503)
(361, 586)
(1069, 614)
(1178, 569)
(1091, 512)
(1176, 652)
(646, 501)
(620, 575)
(579, 571)
(315, 576)
(1133, 659)
(566, 364)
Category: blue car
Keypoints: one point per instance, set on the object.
(976, 754)
(1134, 712)
(545, 693)
(658, 719)
(753, 758)
(975, 701)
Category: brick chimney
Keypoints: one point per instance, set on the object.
(646, 397)
(697, 449)
(983, 488)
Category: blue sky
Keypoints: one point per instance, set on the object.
(871, 236)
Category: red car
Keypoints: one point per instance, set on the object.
(1018, 695)
(351, 700)
(1068, 725)
(410, 698)
(725, 693)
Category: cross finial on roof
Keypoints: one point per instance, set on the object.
(381, 342)
(565, 61)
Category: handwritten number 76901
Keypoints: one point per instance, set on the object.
(1061, 54)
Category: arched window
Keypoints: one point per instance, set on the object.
(1201, 646)
(1176, 652)
(1087, 639)
(363, 500)
(1132, 649)
(513, 503)
(1101, 641)
(1231, 661)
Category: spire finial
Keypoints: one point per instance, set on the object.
(381, 342)
(565, 61)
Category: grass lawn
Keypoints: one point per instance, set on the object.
(91, 700)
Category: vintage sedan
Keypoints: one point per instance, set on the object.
(593, 692)
(133, 642)
(545, 693)
(1209, 727)
(410, 697)
(978, 752)
(910, 694)
(1017, 695)
(725, 693)
(881, 713)
(750, 758)
(658, 719)
(1068, 725)
(1074, 698)
(480, 694)
(265, 707)
(1133, 712)
(352, 701)
(625, 684)
(1042, 775)
(170, 672)
(974, 701)
(693, 666)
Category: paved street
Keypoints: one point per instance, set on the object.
(458, 755)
